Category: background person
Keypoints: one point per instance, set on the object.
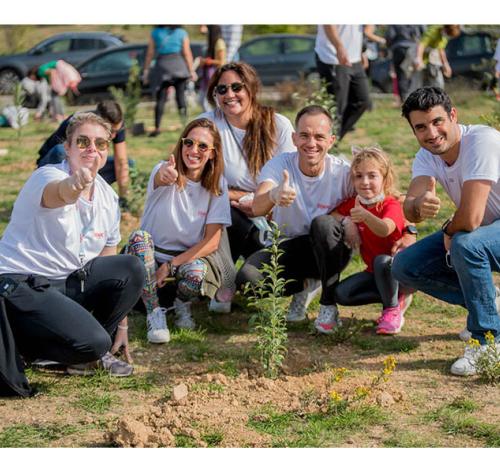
(117, 165)
(186, 210)
(455, 263)
(338, 58)
(70, 292)
(169, 45)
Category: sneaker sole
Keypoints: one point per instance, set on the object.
(158, 341)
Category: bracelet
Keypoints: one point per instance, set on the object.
(445, 226)
(172, 269)
(123, 327)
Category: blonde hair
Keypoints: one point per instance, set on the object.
(82, 118)
(377, 154)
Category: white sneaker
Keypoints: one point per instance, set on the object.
(157, 326)
(184, 318)
(328, 319)
(465, 335)
(466, 366)
(220, 307)
(300, 301)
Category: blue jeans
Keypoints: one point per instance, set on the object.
(57, 154)
(469, 283)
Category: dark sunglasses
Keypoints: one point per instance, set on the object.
(222, 89)
(203, 147)
(83, 142)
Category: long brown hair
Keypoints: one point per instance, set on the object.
(260, 137)
(214, 168)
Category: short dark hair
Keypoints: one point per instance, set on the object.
(313, 110)
(110, 111)
(424, 99)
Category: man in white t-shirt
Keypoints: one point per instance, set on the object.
(302, 188)
(455, 263)
(338, 58)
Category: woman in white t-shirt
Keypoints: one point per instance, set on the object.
(251, 135)
(186, 210)
(66, 291)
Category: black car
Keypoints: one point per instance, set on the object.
(71, 47)
(280, 57)
(112, 68)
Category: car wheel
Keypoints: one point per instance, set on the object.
(8, 80)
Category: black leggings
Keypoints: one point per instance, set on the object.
(54, 320)
(320, 255)
(243, 235)
(161, 99)
(370, 288)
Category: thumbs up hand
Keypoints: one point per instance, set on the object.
(284, 194)
(428, 203)
(167, 173)
(358, 213)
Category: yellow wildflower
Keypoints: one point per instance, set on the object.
(362, 391)
(473, 343)
(335, 396)
(490, 339)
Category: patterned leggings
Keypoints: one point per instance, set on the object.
(188, 278)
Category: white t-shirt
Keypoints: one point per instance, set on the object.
(235, 165)
(478, 159)
(351, 37)
(176, 219)
(315, 195)
(45, 241)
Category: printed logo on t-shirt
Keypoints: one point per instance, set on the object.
(323, 206)
(99, 235)
(202, 214)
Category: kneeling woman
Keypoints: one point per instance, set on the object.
(186, 210)
(66, 290)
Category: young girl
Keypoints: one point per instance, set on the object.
(374, 219)
(186, 209)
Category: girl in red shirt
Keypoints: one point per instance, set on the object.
(373, 221)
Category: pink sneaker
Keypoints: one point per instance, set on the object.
(404, 301)
(391, 321)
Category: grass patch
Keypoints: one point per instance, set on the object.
(207, 387)
(453, 421)
(94, 402)
(183, 441)
(408, 439)
(291, 429)
(385, 345)
(228, 368)
(28, 436)
(213, 439)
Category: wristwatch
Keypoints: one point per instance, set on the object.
(410, 229)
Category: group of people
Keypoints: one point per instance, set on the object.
(68, 294)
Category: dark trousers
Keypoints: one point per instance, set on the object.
(243, 235)
(320, 255)
(161, 99)
(370, 288)
(404, 82)
(57, 154)
(350, 87)
(54, 320)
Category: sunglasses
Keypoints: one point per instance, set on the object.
(189, 143)
(83, 142)
(222, 89)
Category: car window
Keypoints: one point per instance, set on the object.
(115, 61)
(471, 45)
(298, 45)
(85, 44)
(263, 47)
(58, 46)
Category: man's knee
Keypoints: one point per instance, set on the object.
(400, 268)
(466, 245)
(325, 226)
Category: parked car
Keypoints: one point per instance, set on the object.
(112, 67)
(288, 57)
(468, 54)
(280, 57)
(71, 47)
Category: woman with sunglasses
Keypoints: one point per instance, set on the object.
(67, 293)
(173, 67)
(251, 135)
(186, 210)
